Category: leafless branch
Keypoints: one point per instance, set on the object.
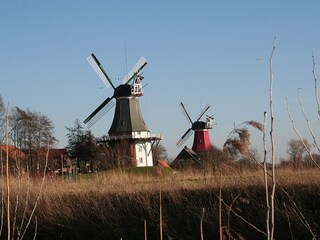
(265, 168)
(289, 223)
(297, 132)
(307, 120)
(240, 217)
(273, 158)
(296, 208)
(315, 82)
(230, 207)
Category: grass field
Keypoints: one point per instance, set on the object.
(116, 204)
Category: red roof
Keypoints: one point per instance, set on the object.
(14, 152)
(54, 153)
(163, 163)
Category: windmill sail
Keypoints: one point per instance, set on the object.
(184, 137)
(203, 111)
(100, 111)
(94, 62)
(134, 71)
(184, 111)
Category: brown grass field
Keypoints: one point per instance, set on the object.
(115, 205)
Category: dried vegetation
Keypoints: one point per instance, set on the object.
(114, 205)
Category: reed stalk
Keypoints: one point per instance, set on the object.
(201, 223)
(39, 193)
(160, 209)
(220, 208)
(7, 175)
(2, 192)
(265, 170)
(289, 223)
(273, 147)
(145, 230)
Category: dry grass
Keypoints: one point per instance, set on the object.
(116, 204)
(123, 183)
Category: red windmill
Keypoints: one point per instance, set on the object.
(201, 141)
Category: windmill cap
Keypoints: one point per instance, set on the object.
(123, 90)
(198, 125)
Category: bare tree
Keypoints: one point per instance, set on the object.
(31, 131)
(159, 152)
(296, 150)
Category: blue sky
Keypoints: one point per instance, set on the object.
(198, 52)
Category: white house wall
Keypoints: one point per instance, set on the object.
(143, 148)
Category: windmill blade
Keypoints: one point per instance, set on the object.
(184, 137)
(94, 62)
(99, 112)
(184, 111)
(134, 71)
(203, 111)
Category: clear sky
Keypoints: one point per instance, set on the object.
(198, 52)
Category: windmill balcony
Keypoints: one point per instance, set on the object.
(107, 138)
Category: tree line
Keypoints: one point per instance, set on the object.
(32, 132)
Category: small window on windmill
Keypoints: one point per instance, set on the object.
(123, 123)
(140, 149)
(140, 160)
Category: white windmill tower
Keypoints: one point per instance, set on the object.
(128, 124)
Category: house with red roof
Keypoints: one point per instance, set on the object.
(16, 156)
(58, 160)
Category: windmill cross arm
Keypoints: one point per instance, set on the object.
(99, 112)
(203, 111)
(184, 111)
(94, 62)
(184, 137)
(134, 71)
